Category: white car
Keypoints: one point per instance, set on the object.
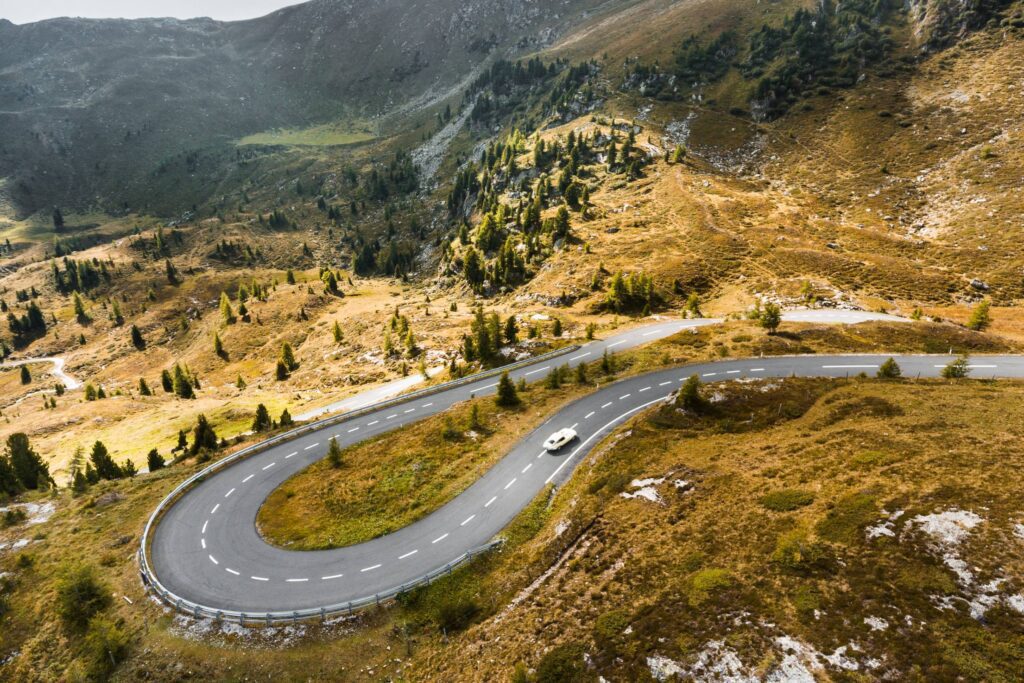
(559, 439)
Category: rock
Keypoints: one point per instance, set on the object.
(109, 499)
(980, 285)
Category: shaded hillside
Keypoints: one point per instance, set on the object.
(93, 109)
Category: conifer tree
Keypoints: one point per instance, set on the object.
(104, 465)
(261, 422)
(334, 453)
(288, 357)
(182, 384)
(155, 461)
(286, 419)
(137, 341)
(226, 312)
(506, 396)
(204, 438)
(26, 376)
(336, 331)
(144, 389)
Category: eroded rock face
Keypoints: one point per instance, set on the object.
(937, 23)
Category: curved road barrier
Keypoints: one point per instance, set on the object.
(202, 554)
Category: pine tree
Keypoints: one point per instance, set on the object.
(286, 419)
(554, 379)
(290, 277)
(128, 469)
(90, 392)
(137, 341)
(80, 313)
(105, 466)
(981, 317)
(690, 398)
(182, 442)
(281, 371)
(28, 466)
(261, 422)
(204, 438)
(144, 389)
(26, 376)
(506, 396)
(411, 349)
(172, 274)
(334, 453)
(607, 364)
(154, 461)
(556, 328)
(240, 383)
(581, 374)
(771, 317)
(336, 331)
(889, 370)
(288, 357)
(218, 345)
(511, 332)
(166, 382)
(226, 312)
(115, 314)
(182, 384)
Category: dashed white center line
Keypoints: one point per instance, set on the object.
(203, 542)
(534, 372)
(589, 415)
(582, 355)
(228, 494)
(370, 569)
(213, 559)
(733, 372)
(488, 503)
(467, 520)
(215, 508)
(575, 425)
(291, 455)
(489, 386)
(313, 446)
(510, 483)
(616, 344)
(708, 374)
(665, 384)
(332, 576)
(624, 397)
(204, 525)
(373, 423)
(606, 405)
(248, 478)
(296, 580)
(231, 571)
(391, 417)
(426, 405)
(269, 466)
(354, 429)
(259, 578)
(648, 334)
(643, 390)
(757, 369)
(411, 410)
(851, 367)
(527, 468)
(440, 538)
(408, 554)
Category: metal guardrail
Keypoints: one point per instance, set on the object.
(151, 581)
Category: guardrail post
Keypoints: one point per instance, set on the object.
(323, 615)
(295, 617)
(377, 596)
(268, 619)
(220, 616)
(196, 611)
(350, 609)
(241, 619)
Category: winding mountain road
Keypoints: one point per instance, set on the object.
(205, 547)
(57, 362)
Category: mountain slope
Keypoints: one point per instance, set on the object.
(90, 108)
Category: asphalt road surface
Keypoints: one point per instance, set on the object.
(206, 548)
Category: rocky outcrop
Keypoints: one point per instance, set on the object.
(939, 23)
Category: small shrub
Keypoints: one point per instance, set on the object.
(787, 500)
(796, 551)
(844, 521)
(706, 583)
(563, 664)
(80, 596)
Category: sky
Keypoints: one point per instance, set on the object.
(25, 11)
